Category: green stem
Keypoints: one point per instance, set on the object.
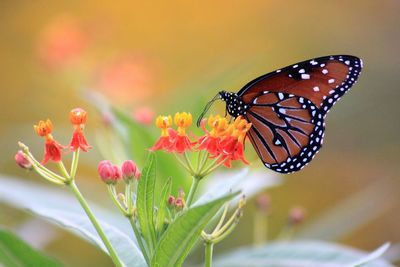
(96, 224)
(227, 224)
(222, 219)
(208, 254)
(182, 163)
(139, 240)
(192, 192)
(74, 164)
(224, 234)
(46, 175)
(63, 170)
(115, 200)
(38, 165)
(187, 160)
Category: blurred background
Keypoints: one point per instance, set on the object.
(162, 57)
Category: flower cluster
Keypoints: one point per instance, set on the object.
(224, 141)
(52, 149)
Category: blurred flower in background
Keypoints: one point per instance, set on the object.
(62, 42)
(126, 79)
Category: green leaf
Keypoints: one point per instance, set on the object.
(145, 201)
(181, 235)
(166, 191)
(301, 253)
(59, 207)
(15, 252)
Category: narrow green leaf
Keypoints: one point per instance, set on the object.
(166, 191)
(145, 201)
(181, 235)
(15, 252)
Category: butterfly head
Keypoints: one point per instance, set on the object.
(234, 103)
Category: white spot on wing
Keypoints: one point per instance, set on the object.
(316, 89)
(305, 76)
(331, 80)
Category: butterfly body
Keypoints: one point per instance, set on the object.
(287, 108)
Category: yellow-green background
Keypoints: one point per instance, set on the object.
(192, 49)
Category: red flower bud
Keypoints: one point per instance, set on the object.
(109, 173)
(171, 200)
(179, 203)
(22, 160)
(130, 170)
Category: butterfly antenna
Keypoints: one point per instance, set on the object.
(206, 108)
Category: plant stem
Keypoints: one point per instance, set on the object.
(193, 188)
(139, 240)
(95, 223)
(74, 164)
(208, 254)
(63, 170)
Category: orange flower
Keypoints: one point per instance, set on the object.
(43, 128)
(232, 146)
(181, 143)
(164, 142)
(52, 149)
(78, 118)
(211, 140)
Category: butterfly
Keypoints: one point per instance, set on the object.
(287, 108)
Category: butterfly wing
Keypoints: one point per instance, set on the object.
(287, 108)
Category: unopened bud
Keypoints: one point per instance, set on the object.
(171, 200)
(109, 173)
(22, 160)
(296, 215)
(130, 170)
(179, 203)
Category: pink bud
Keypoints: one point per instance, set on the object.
(171, 200)
(107, 172)
(117, 173)
(179, 203)
(296, 215)
(130, 170)
(22, 160)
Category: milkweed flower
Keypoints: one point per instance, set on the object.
(52, 149)
(211, 140)
(180, 142)
(78, 118)
(164, 142)
(233, 145)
